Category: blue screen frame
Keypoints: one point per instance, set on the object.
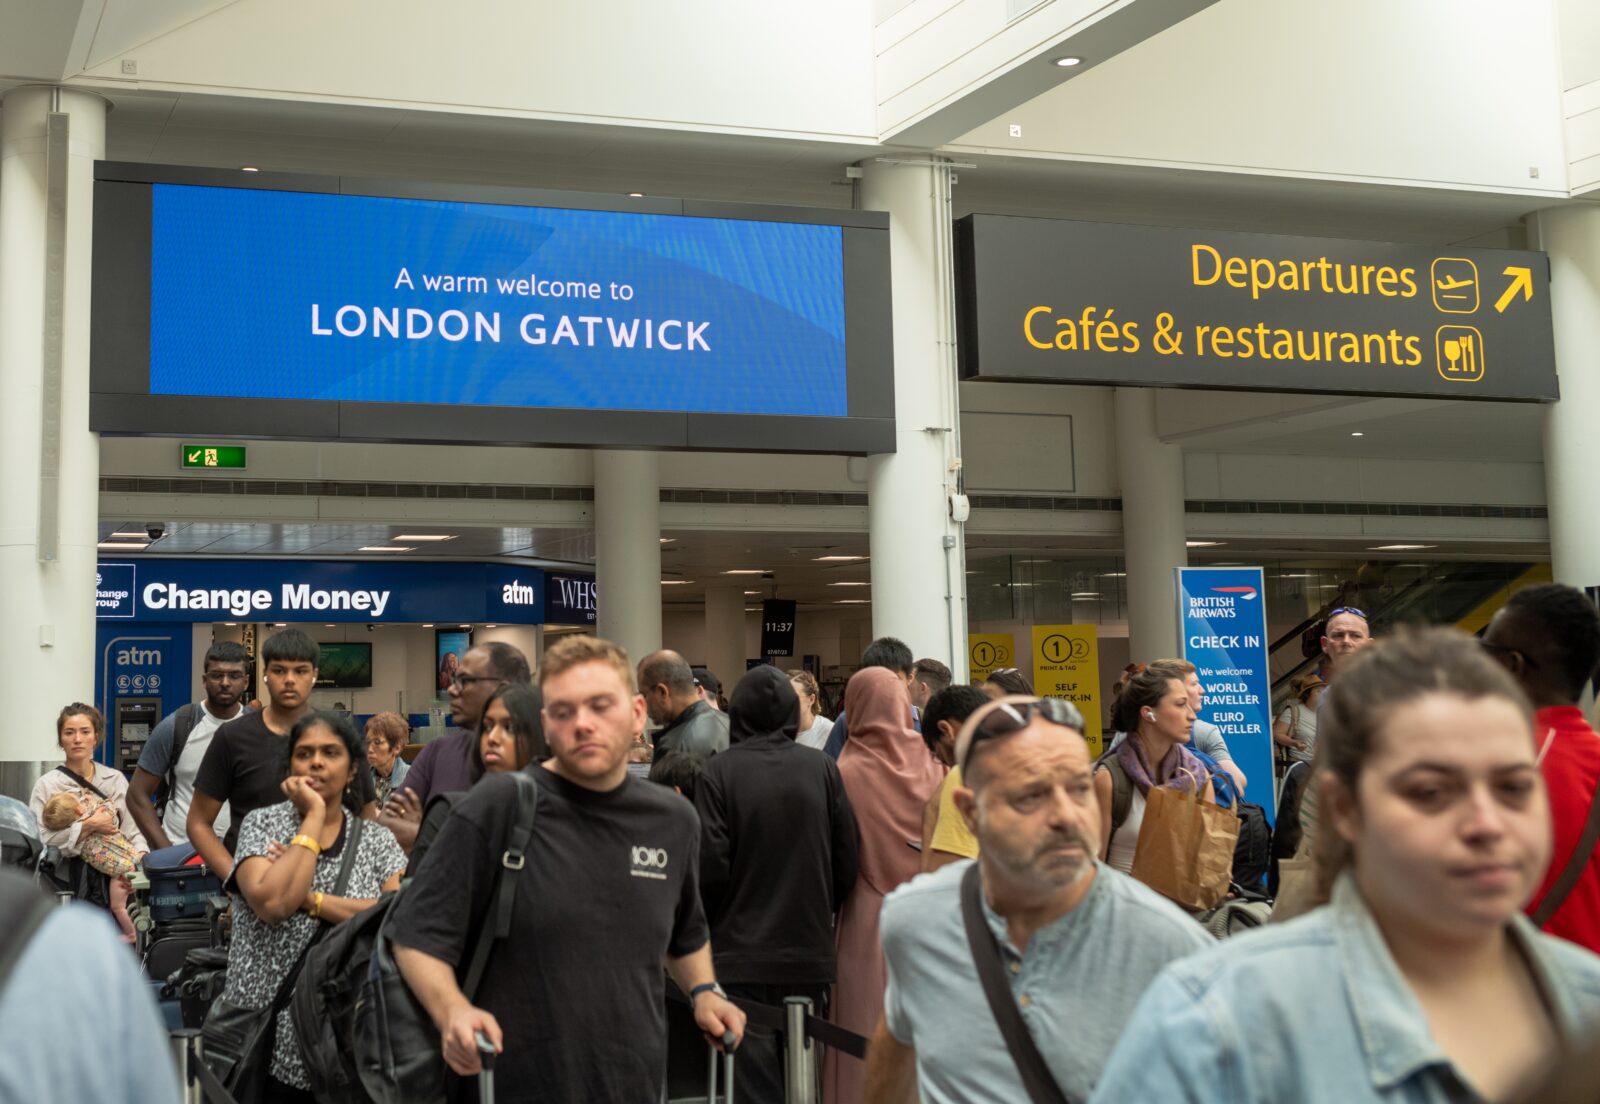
(319, 302)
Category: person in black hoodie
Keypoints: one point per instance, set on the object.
(778, 855)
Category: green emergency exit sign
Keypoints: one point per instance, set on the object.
(211, 456)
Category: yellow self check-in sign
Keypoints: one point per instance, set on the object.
(1066, 664)
(1079, 302)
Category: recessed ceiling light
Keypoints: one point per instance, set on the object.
(383, 548)
(1201, 544)
(669, 540)
(491, 626)
(676, 582)
(1400, 547)
(231, 624)
(750, 592)
(280, 624)
(836, 559)
(852, 601)
(849, 584)
(123, 546)
(635, 195)
(248, 168)
(1289, 576)
(1067, 62)
(1357, 433)
(748, 571)
(427, 624)
(137, 534)
(330, 626)
(466, 626)
(1033, 561)
(1114, 575)
(1086, 594)
(426, 537)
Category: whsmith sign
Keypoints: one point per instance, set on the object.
(1081, 302)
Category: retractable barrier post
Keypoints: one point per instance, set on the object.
(799, 1056)
(183, 1056)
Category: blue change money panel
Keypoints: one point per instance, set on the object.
(157, 589)
(304, 295)
(1222, 624)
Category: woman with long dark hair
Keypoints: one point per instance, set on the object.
(1421, 980)
(286, 869)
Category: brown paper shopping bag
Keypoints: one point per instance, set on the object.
(1185, 849)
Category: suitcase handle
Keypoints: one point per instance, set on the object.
(728, 1039)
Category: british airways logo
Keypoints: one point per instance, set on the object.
(1248, 593)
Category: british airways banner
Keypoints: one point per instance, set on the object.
(1222, 625)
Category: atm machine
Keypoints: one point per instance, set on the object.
(132, 721)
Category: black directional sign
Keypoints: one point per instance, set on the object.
(1083, 302)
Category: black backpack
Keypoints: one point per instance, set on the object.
(362, 1033)
(1252, 855)
(182, 724)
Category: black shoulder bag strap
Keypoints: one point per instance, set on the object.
(1574, 868)
(1036, 1075)
(84, 782)
(505, 890)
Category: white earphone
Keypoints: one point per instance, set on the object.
(1149, 716)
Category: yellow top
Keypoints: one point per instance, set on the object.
(950, 833)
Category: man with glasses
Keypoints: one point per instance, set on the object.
(163, 782)
(1548, 637)
(444, 765)
(1079, 942)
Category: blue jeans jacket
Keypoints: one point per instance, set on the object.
(1315, 1010)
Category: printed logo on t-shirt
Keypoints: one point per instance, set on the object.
(649, 862)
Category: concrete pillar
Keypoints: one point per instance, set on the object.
(725, 644)
(1571, 235)
(49, 492)
(918, 567)
(1150, 473)
(627, 542)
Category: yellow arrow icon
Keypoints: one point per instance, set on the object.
(1521, 280)
(194, 457)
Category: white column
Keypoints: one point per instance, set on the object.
(725, 634)
(627, 560)
(918, 561)
(1151, 476)
(48, 522)
(1571, 235)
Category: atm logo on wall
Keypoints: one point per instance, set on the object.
(114, 588)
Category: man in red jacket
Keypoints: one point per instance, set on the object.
(1548, 637)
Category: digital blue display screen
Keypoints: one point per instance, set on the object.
(297, 295)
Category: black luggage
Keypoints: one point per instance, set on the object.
(180, 886)
(196, 983)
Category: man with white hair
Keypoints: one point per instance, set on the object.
(1071, 943)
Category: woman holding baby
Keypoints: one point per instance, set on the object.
(82, 807)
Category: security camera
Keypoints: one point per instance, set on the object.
(155, 530)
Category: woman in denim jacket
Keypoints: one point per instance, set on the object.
(1421, 980)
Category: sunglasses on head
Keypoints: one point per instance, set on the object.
(1008, 717)
(1347, 609)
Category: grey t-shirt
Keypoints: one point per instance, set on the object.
(1077, 983)
(157, 759)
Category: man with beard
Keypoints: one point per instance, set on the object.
(1079, 941)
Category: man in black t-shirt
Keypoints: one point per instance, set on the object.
(574, 998)
(246, 764)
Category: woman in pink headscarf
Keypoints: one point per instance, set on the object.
(889, 776)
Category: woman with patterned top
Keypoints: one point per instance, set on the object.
(285, 869)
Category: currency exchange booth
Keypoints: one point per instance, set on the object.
(389, 631)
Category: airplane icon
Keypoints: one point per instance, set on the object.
(1455, 285)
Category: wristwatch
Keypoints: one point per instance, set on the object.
(707, 987)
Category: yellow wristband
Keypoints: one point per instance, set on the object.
(308, 843)
(316, 905)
